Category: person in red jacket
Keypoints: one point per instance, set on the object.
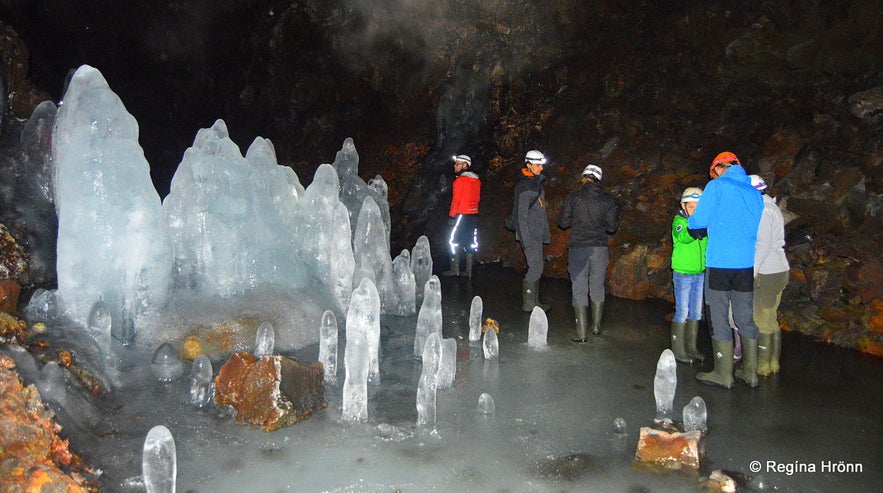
(463, 216)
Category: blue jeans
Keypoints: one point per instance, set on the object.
(688, 290)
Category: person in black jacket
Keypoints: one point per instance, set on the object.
(531, 226)
(592, 215)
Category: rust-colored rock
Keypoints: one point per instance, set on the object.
(9, 290)
(33, 458)
(272, 392)
(676, 451)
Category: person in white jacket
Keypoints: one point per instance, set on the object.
(771, 273)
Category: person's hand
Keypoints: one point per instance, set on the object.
(698, 233)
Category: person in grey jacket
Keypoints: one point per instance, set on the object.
(771, 273)
(531, 225)
(591, 214)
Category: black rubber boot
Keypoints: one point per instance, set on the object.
(677, 342)
(455, 267)
(764, 354)
(748, 371)
(470, 257)
(528, 296)
(722, 374)
(544, 306)
(597, 314)
(691, 334)
(582, 323)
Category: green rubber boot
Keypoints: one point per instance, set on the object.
(677, 342)
(776, 352)
(582, 323)
(470, 258)
(455, 267)
(722, 374)
(690, 335)
(748, 371)
(764, 354)
(597, 313)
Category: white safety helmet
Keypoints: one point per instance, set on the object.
(758, 183)
(463, 157)
(535, 157)
(691, 194)
(593, 170)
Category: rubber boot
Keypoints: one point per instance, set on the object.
(455, 267)
(582, 323)
(722, 374)
(677, 342)
(690, 335)
(764, 354)
(470, 257)
(528, 296)
(748, 371)
(597, 313)
(775, 352)
(545, 307)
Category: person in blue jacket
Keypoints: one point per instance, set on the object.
(730, 210)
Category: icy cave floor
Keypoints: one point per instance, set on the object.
(559, 403)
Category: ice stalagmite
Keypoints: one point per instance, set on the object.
(447, 368)
(486, 405)
(159, 461)
(123, 254)
(265, 340)
(428, 385)
(201, 382)
(328, 346)
(165, 365)
(364, 317)
(355, 383)
(490, 344)
(405, 286)
(665, 383)
(537, 329)
(429, 319)
(620, 428)
(100, 322)
(371, 252)
(695, 415)
(475, 314)
(421, 265)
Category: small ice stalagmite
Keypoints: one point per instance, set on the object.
(159, 461)
(52, 384)
(475, 314)
(429, 319)
(404, 286)
(695, 415)
(428, 385)
(100, 323)
(364, 316)
(486, 405)
(537, 329)
(328, 346)
(421, 265)
(620, 428)
(166, 365)
(447, 367)
(201, 383)
(665, 383)
(490, 344)
(355, 383)
(265, 341)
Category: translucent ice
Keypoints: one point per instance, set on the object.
(354, 190)
(404, 285)
(159, 461)
(364, 317)
(475, 314)
(429, 319)
(447, 368)
(695, 415)
(428, 385)
(201, 381)
(490, 344)
(421, 265)
(43, 306)
(537, 329)
(100, 323)
(165, 365)
(371, 252)
(619, 427)
(265, 340)
(665, 384)
(486, 405)
(328, 346)
(99, 166)
(355, 383)
(52, 384)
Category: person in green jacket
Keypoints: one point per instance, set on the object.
(688, 275)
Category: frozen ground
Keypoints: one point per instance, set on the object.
(552, 407)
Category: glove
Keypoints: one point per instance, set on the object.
(698, 233)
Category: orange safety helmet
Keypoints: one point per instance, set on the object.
(725, 158)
